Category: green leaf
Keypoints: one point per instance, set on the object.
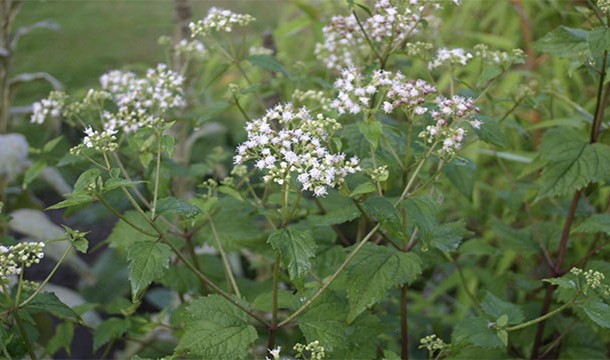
(62, 338)
(227, 190)
(148, 261)
(33, 171)
(168, 143)
(564, 42)
(477, 331)
(461, 173)
(48, 302)
(268, 62)
(75, 200)
(375, 270)
(123, 234)
(296, 247)
(491, 132)
(363, 188)
(488, 74)
(115, 183)
(325, 322)
(599, 40)
(171, 205)
(422, 212)
(49, 146)
(594, 224)
(496, 308)
(503, 336)
(372, 131)
(383, 211)
(446, 237)
(571, 162)
(87, 178)
(598, 312)
(108, 330)
(216, 329)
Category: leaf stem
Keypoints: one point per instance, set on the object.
(541, 318)
(47, 279)
(153, 208)
(333, 277)
(225, 261)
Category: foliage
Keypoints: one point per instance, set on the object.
(364, 178)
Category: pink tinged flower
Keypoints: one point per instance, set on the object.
(320, 191)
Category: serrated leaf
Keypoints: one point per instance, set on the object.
(571, 162)
(371, 130)
(171, 205)
(491, 132)
(110, 329)
(488, 74)
(496, 308)
(382, 210)
(446, 237)
(148, 261)
(599, 40)
(363, 188)
(325, 322)
(115, 183)
(561, 282)
(62, 338)
(77, 200)
(49, 302)
(375, 270)
(461, 173)
(421, 212)
(564, 42)
(268, 62)
(594, 224)
(216, 329)
(123, 234)
(476, 331)
(297, 247)
(597, 311)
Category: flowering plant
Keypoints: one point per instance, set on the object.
(342, 203)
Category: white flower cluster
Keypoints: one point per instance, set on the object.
(295, 149)
(312, 96)
(275, 354)
(496, 57)
(604, 6)
(99, 140)
(192, 48)
(450, 113)
(432, 343)
(451, 57)
(219, 20)
(355, 94)
(593, 280)
(344, 40)
(16, 257)
(314, 348)
(260, 50)
(50, 107)
(141, 101)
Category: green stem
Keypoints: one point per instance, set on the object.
(215, 287)
(225, 261)
(368, 40)
(122, 217)
(276, 282)
(541, 318)
(414, 175)
(153, 208)
(333, 277)
(47, 279)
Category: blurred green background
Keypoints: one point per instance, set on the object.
(100, 35)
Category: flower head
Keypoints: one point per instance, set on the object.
(219, 19)
(296, 148)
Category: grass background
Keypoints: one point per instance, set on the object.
(100, 35)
